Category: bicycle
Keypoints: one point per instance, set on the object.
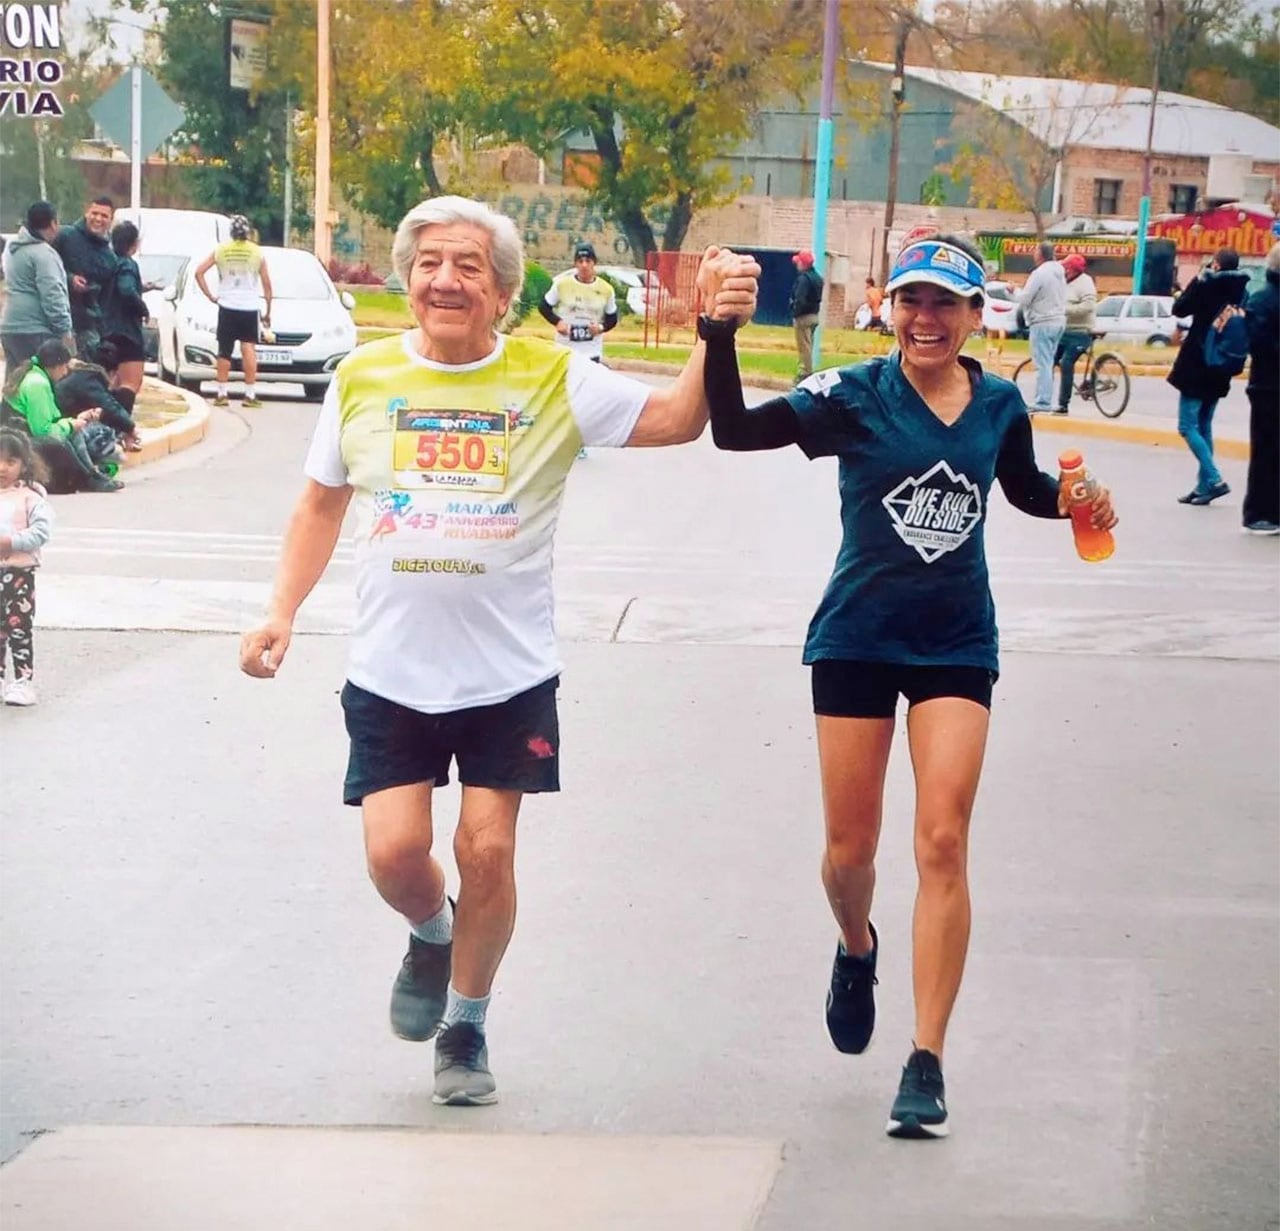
(1105, 380)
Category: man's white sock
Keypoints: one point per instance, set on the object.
(438, 930)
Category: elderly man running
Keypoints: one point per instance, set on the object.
(455, 441)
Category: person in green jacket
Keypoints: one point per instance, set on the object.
(67, 443)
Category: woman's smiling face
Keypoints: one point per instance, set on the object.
(932, 325)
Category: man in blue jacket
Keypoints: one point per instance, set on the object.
(37, 309)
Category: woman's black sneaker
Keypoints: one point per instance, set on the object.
(920, 1110)
(851, 1000)
(418, 996)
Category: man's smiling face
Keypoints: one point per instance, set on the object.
(453, 291)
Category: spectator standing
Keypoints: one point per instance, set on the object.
(874, 298)
(1261, 512)
(1082, 304)
(243, 279)
(37, 309)
(1199, 386)
(581, 306)
(90, 262)
(806, 299)
(25, 523)
(123, 308)
(1044, 307)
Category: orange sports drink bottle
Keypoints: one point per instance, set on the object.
(1079, 487)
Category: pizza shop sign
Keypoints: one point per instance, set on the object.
(1085, 246)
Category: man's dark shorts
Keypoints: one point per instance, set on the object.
(846, 689)
(511, 746)
(236, 325)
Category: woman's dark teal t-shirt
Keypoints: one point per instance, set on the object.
(910, 582)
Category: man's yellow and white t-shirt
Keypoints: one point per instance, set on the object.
(458, 474)
(581, 305)
(239, 263)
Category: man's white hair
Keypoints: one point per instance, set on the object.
(506, 251)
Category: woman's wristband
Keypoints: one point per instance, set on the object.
(711, 328)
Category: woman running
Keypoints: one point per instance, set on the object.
(920, 436)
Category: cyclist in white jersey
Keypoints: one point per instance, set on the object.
(455, 441)
(242, 280)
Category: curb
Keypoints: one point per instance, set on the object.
(1236, 450)
(186, 430)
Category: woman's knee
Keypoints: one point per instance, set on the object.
(942, 847)
(852, 847)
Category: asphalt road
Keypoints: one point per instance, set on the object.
(187, 936)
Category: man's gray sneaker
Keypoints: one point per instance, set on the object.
(462, 1067)
(417, 999)
(920, 1110)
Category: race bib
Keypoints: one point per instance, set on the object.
(579, 333)
(451, 448)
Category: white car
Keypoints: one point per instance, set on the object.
(310, 319)
(1139, 319)
(1000, 309)
(637, 282)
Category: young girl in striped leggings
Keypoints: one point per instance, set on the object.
(25, 522)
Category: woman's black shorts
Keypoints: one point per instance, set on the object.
(127, 349)
(843, 688)
(511, 746)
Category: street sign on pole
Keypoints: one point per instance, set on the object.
(161, 116)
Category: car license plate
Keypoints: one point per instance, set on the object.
(282, 356)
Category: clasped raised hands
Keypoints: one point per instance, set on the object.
(727, 282)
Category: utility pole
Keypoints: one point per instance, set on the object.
(822, 180)
(1144, 206)
(906, 21)
(323, 225)
(135, 139)
(288, 165)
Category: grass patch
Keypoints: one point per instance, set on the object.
(387, 309)
(763, 350)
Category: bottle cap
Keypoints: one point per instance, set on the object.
(1071, 459)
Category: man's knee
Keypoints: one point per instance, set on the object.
(486, 859)
(395, 854)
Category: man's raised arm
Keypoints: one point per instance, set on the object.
(727, 284)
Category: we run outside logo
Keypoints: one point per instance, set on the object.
(935, 512)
